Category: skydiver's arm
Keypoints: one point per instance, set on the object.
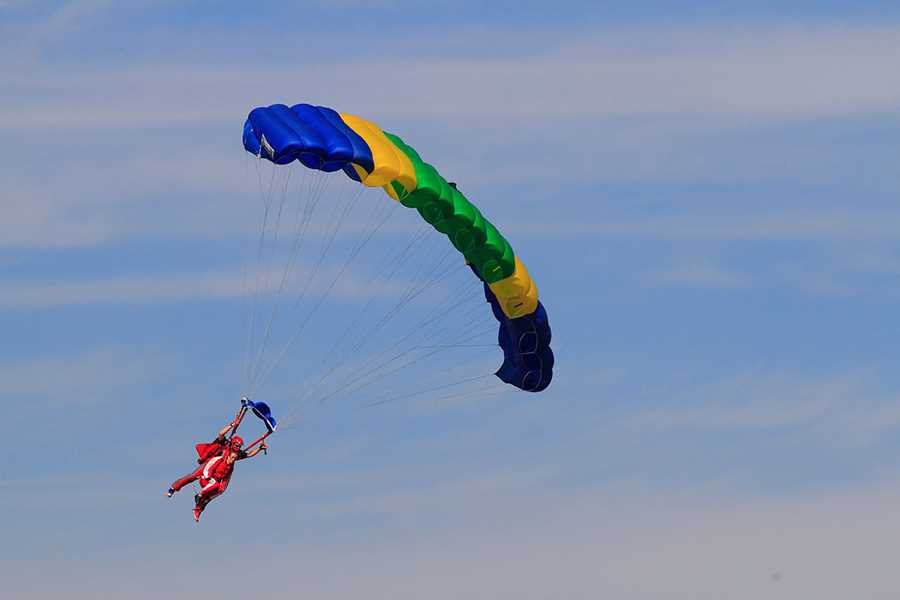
(223, 431)
(256, 450)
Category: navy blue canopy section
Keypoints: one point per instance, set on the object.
(261, 410)
(527, 357)
(314, 135)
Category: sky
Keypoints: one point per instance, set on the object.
(705, 193)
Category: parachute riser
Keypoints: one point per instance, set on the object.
(257, 441)
(238, 418)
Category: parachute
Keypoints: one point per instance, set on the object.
(325, 140)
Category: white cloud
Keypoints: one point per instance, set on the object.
(71, 14)
(720, 226)
(132, 145)
(490, 541)
(699, 273)
(605, 545)
(87, 200)
(349, 285)
(759, 71)
(836, 408)
(131, 289)
(83, 378)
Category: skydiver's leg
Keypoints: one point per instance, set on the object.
(210, 490)
(191, 477)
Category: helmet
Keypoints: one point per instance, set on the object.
(237, 440)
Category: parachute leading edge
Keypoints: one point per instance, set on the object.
(320, 138)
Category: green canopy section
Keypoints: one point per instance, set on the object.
(446, 209)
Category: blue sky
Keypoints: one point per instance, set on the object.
(705, 195)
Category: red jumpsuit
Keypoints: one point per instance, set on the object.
(214, 473)
(207, 451)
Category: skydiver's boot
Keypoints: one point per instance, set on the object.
(170, 492)
(199, 505)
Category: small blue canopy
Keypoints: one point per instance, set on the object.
(262, 410)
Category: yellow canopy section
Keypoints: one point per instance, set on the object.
(390, 162)
(517, 294)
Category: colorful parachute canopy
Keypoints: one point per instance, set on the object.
(323, 139)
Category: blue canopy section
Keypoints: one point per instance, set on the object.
(527, 357)
(525, 341)
(261, 410)
(314, 135)
(362, 154)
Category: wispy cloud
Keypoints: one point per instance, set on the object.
(341, 284)
(823, 405)
(758, 71)
(603, 544)
(699, 273)
(141, 141)
(829, 545)
(131, 289)
(82, 378)
(72, 13)
(718, 225)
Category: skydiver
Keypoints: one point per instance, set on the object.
(216, 466)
